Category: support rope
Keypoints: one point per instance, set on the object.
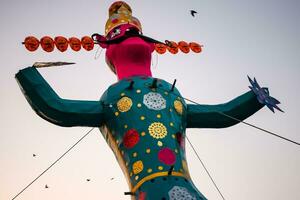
(251, 125)
(205, 168)
(53, 163)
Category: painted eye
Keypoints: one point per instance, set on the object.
(133, 31)
(115, 32)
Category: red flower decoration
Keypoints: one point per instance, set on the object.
(167, 156)
(131, 138)
(142, 195)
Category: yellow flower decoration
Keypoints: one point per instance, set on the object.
(137, 167)
(178, 107)
(157, 130)
(124, 104)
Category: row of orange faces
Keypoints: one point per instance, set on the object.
(61, 43)
(174, 47)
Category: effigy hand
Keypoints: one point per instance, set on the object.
(263, 95)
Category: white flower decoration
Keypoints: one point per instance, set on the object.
(180, 193)
(154, 101)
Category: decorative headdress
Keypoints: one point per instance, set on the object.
(120, 13)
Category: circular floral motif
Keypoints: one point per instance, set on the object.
(167, 156)
(137, 167)
(154, 101)
(124, 104)
(178, 107)
(157, 130)
(180, 193)
(131, 138)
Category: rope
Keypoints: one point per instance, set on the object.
(251, 125)
(205, 168)
(98, 53)
(53, 164)
(154, 65)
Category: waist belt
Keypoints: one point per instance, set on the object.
(154, 175)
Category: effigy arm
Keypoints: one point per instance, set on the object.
(223, 115)
(48, 105)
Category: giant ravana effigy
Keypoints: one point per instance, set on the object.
(142, 118)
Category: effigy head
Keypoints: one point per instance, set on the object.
(128, 51)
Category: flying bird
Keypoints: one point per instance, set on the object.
(46, 186)
(88, 179)
(34, 155)
(193, 12)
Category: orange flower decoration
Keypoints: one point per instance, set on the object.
(178, 107)
(137, 167)
(124, 104)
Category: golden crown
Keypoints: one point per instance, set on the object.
(120, 13)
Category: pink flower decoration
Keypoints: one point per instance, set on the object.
(167, 156)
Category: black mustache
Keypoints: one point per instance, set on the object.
(126, 36)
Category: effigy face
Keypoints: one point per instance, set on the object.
(145, 128)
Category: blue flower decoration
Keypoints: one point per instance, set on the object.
(263, 95)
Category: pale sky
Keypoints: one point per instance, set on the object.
(258, 38)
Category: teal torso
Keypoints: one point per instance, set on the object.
(145, 127)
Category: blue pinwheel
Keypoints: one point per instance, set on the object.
(263, 95)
